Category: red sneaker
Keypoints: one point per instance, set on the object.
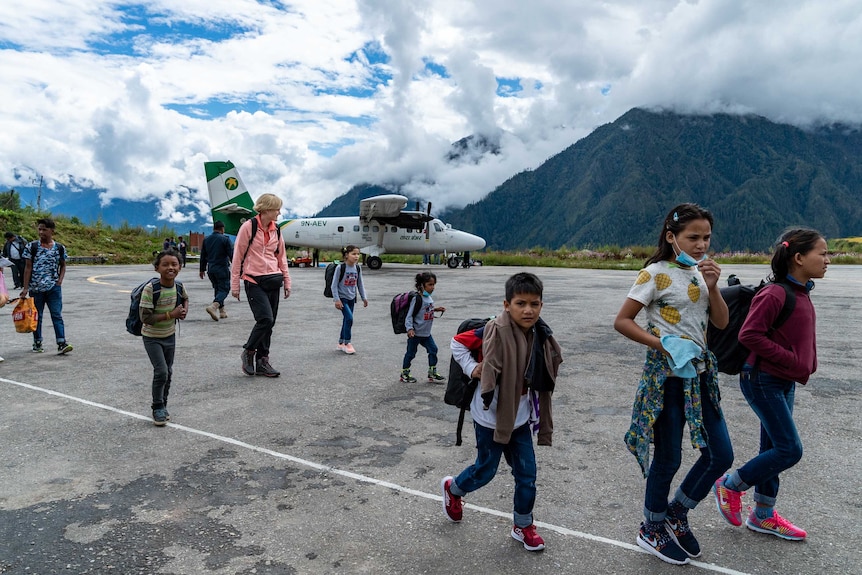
(775, 525)
(728, 501)
(452, 505)
(527, 535)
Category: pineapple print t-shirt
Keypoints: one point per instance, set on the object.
(676, 300)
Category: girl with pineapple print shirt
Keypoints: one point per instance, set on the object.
(678, 291)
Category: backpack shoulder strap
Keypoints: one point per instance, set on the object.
(787, 308)
(248, 245)
(342, 266)
(34, 247)
(157, 290)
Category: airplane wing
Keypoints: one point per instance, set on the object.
(385, 206)
(389, 209)
(233, 209)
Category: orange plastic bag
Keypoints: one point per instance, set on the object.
(25, 316)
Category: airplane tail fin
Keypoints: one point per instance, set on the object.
(230, 201)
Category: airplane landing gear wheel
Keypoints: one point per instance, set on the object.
(374, 263)
(453, 262)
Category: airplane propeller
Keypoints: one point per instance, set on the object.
(428, 223)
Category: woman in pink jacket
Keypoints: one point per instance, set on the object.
(259, 260)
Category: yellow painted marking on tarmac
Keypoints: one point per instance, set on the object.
(100, 280)
(364, 478)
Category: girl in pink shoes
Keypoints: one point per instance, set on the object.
(778, 359)
(346, 286)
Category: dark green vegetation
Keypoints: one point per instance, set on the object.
(615, 186)
(121, 245)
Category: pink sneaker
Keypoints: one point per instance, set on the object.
(728, 501)
(451, 504)
(775, 525)
(527, 535)
(340, 347)
(348, 349)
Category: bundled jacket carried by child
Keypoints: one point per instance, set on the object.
(507, 370)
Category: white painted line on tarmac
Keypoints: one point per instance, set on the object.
(363, 478)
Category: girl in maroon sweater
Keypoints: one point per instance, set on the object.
(778, 360)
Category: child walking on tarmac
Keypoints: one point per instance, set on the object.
(518, 370)
(418, 323)
(678, 290)
(159, 314)
(777, 360)
(345, 287)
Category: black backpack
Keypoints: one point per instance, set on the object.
(724, 343)
(460, 387)
(133, 321)
(399, 307)
(329, 273)
(34, 248)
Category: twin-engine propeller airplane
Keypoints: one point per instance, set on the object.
(382, 226)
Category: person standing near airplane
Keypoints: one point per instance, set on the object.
(215, 261)
(259, 260)
(345, 286)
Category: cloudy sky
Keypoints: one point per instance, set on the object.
(310, 97)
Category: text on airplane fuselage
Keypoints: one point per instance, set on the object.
(320, 223)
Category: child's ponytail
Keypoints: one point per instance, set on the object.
(423, 278)
(793, 241)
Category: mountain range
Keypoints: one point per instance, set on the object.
(613, 187)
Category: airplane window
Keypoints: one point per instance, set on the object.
(355, 228)
(375, 229)
(365, 229)
(393, 229)
(409, 230)
(340, 228)
(438, 227)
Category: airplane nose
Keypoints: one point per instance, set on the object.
(469, 242)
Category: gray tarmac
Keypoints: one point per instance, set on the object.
(335, 467)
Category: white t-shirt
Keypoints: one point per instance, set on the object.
(675, 299)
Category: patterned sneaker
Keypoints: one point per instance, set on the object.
(775, 525)
(680, 531)
(348, 349)
(435, 377)
(660, 544)
(160, 417)
(527, 535)
(452, 506)
(728, 501)
(406, 377)
(37, 347)
(64, 348)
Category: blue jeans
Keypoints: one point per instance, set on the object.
(413, 344)
(160, 350)
(771, 399)
(521, 458)
(54, 298)
(347, 320)
(714, 460)
(220, 281)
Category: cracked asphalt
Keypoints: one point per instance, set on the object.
(335, 466)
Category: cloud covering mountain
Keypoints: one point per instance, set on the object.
(308, 98)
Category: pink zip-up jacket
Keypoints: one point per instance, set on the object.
(261, 259)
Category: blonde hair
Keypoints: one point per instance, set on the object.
(268, 202)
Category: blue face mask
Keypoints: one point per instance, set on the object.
(684, 259)
(425, 293)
